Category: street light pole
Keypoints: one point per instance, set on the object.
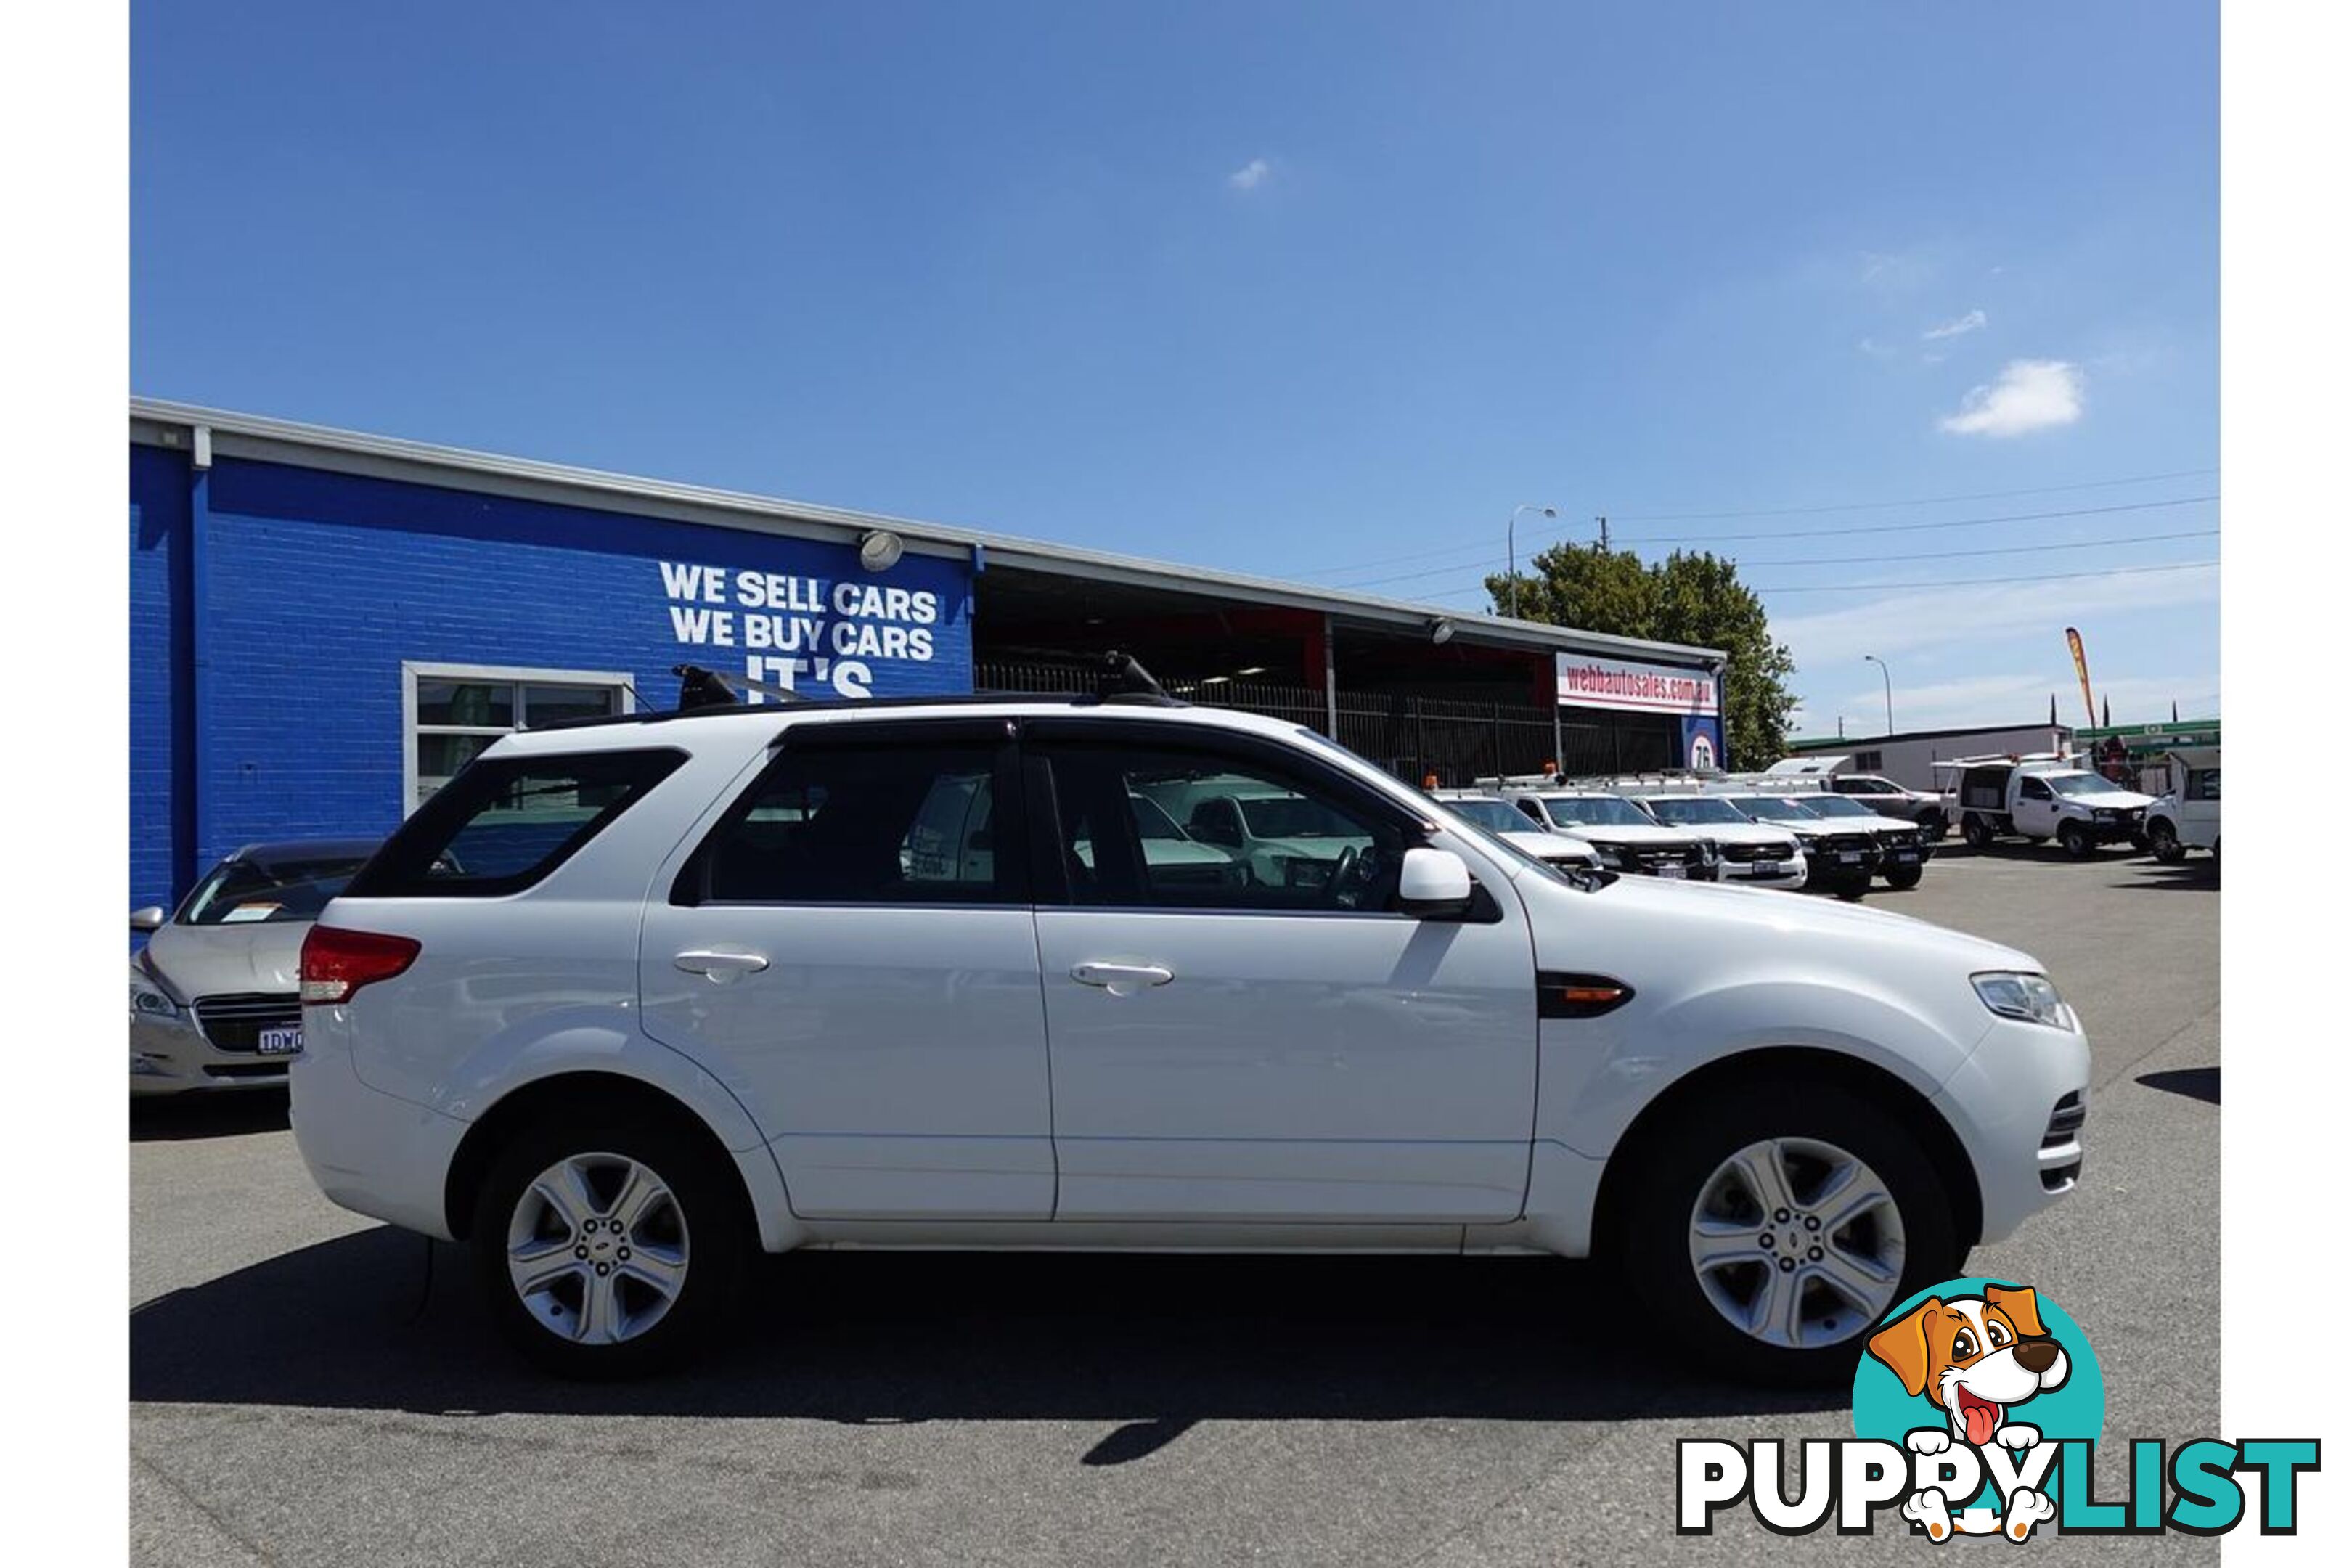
(1889, 681)
(1511, 546)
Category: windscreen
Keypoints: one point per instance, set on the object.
(1494, 815)
(1596, 811)
(2079, 783)
(242, 893)
(1694, 811)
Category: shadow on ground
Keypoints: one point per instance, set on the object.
(208, 1115)
(2196, 1083)
(1156, 1342)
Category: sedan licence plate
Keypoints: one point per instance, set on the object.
(280, 1041)
(1904, 857)
(1670, 871)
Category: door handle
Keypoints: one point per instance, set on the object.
(721, 964)
(1121, 979)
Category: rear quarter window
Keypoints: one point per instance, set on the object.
(505, 822)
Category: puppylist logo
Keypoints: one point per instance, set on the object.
(1977, 1404)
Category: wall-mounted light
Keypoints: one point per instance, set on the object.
(879, 549)
(1441, 632)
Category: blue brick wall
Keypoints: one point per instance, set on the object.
(159, 830)
(315, 586)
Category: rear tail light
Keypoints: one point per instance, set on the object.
(336, 962)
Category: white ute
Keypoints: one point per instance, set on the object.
(629, 1000)
(2042, 797)
(2188, 815)
(1506, 822)
(1624, 835)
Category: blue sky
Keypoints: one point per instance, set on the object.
(1319, 290)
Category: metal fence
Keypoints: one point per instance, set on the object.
(1413, 737)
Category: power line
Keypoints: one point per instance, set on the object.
(1820, 533)
(1975, 582)
(1922, 527)
(1922, 501)
(1785, 512)
(1997, 550)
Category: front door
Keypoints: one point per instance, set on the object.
(1265, 1037)
(2037, 807)
(851, 950)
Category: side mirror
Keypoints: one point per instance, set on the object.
(1434, 884)
(151, 918)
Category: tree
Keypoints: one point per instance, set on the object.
(1696, 598)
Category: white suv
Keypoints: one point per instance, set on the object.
(627, 1001)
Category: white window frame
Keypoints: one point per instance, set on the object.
(517, 676)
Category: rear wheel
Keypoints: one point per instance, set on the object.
(1773, 1230)
(607, 1248)
(2163, 842)
(1934, 824)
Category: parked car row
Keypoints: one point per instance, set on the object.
(1694, 827)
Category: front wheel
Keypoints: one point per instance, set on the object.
(1772, 1230)
(2164, 843)
(606, 1246)
(2073, 840)
(1934, 826)
(1976, 831)
(1903, 879)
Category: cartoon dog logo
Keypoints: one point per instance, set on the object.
(1975, 1358)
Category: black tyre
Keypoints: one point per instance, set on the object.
(2073, 840)
(1770, 1230)
(1903, 879)
(2163, 842)
(1976, 831)
(608, 1244)
(1934, 826)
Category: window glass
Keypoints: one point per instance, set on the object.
(255, 891)
(1597, 810)
(470, 702)
(1494, 815)
(458, 715)
(507, 822)
(1694, 811)
(1248, 836)
(2205, 783)
(864, 824)
(2032, 789)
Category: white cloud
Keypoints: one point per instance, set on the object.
(1973, 321)
(1876, 349)
(1939, 617)
(2031, 394)
(1250, 176)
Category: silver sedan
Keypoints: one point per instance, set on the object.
(214, 1001)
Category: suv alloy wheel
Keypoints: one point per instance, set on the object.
(1773, 1229)
(605, 1246)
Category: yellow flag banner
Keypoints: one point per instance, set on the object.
(2082, 674)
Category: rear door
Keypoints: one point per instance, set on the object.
(1264, 1046)
(851, 947)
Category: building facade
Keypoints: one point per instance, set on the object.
(325, 627)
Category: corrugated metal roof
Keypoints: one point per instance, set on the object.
(160, 423)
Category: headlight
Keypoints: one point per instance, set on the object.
(147, 1001)
(2028, 996)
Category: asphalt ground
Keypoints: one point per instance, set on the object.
(303, 1392)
